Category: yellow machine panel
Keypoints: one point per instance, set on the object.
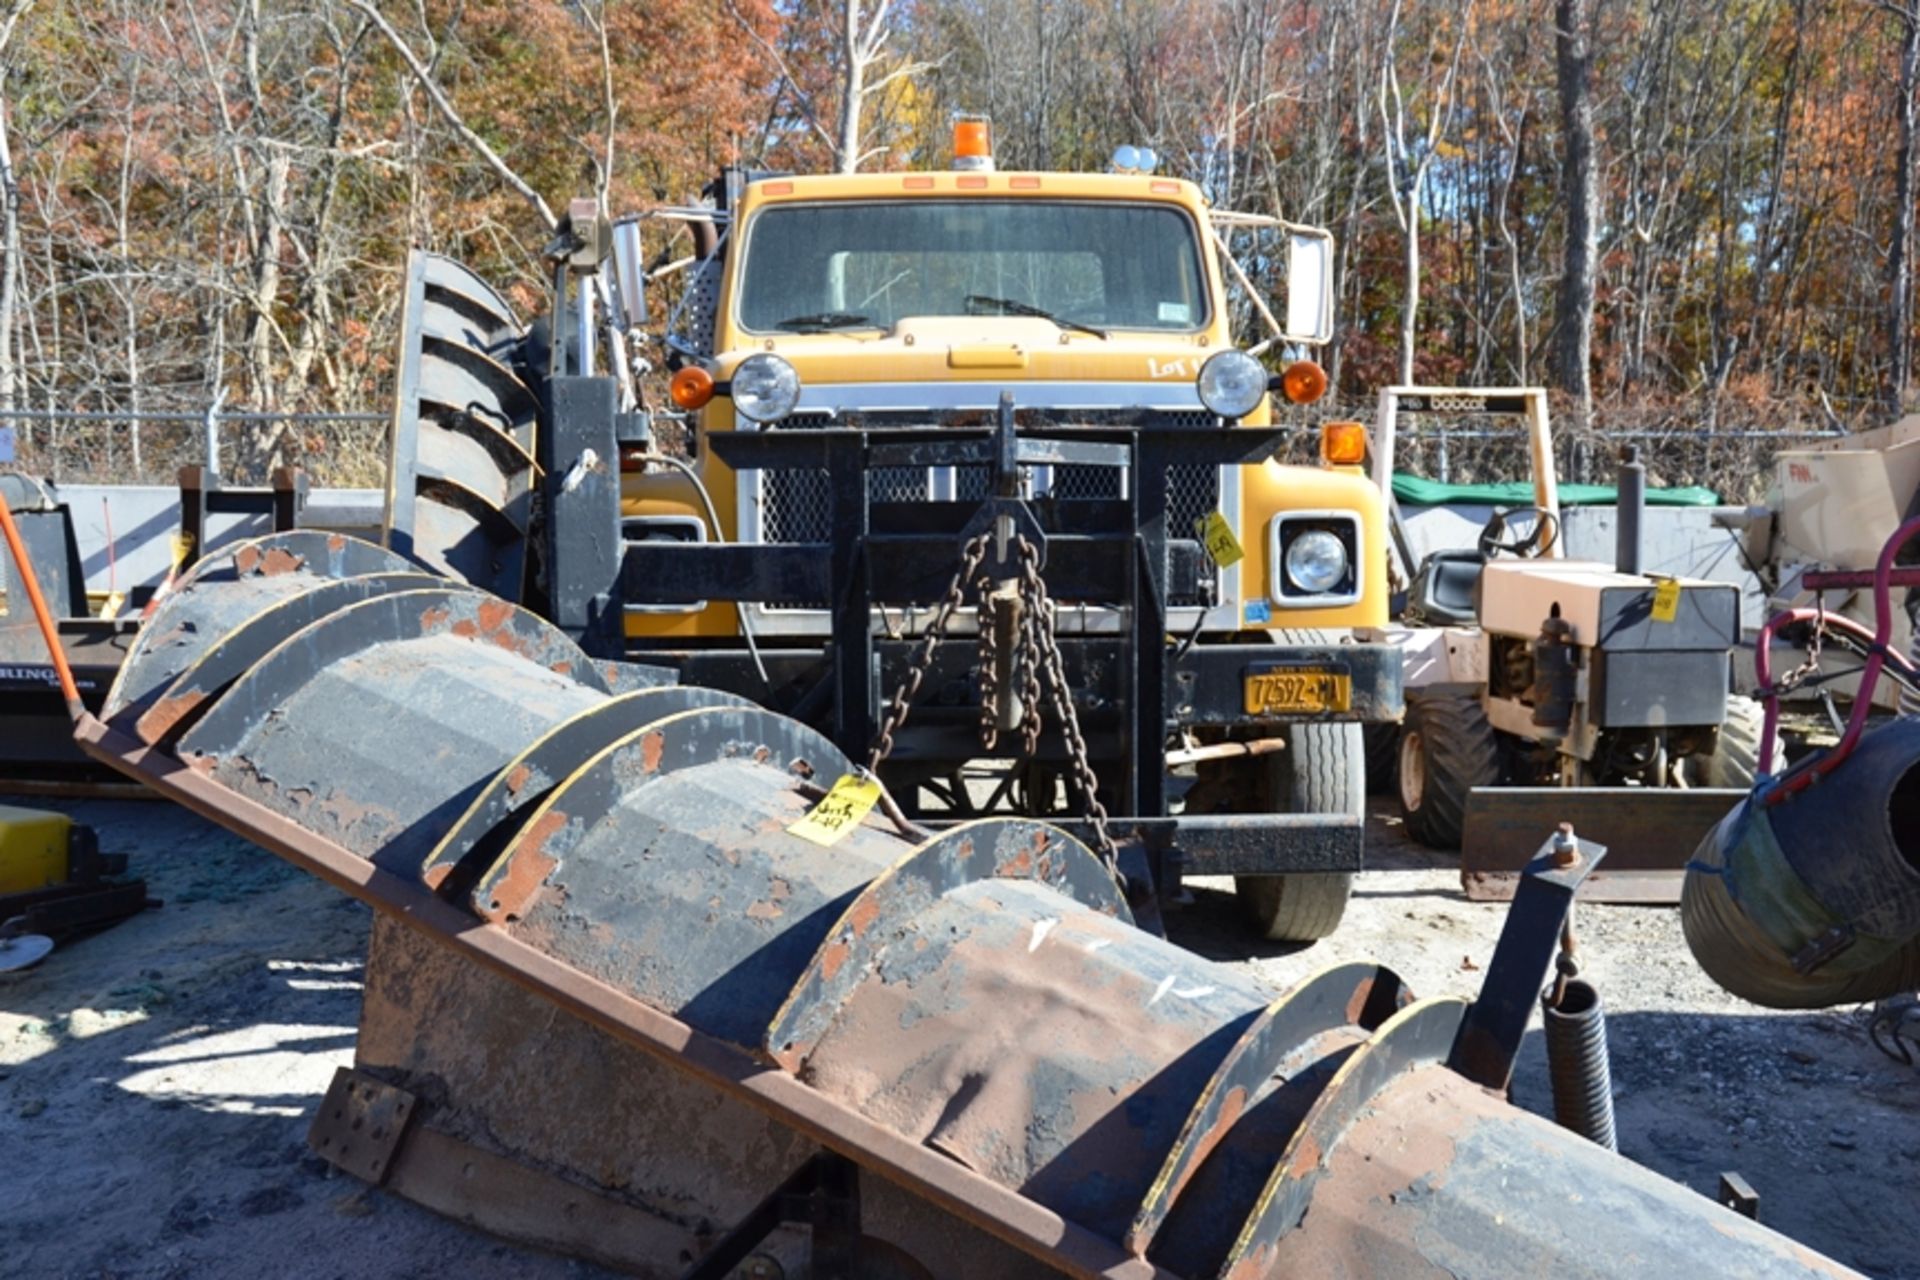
(33, 849)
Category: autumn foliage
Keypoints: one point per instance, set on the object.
(215, 196)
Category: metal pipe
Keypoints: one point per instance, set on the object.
(1629, 545)
(1225, 751)
(212, 426)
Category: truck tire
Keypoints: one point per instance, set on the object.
(1447, 748)
(1735, 760)
(1322, 770)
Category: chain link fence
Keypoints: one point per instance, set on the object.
(341, 450)
(1736, 461)
(349, 450)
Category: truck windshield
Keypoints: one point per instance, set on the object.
(1115, 266)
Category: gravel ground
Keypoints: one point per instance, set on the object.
(156, 1081)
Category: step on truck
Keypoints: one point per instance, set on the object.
(969, 473)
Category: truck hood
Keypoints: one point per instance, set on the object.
(999, 350)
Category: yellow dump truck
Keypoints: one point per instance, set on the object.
(979, 483)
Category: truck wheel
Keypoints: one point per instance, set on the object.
(1447, 748)
(1322, 770)
(1735, 761)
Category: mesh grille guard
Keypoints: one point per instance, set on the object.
(794, 502)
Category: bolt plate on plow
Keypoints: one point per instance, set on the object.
(1650, 833)
(360, 1125)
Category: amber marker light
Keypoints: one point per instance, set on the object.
(971, 138)
(692, 387)
(1343, 444)
(1303, 382)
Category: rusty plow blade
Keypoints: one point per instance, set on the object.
(1650, 833)
(616, 1005)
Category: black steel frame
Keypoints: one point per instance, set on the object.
(1117, 552)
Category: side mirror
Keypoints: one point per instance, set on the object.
(629, 275)
(1309, 286)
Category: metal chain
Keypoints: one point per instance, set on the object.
(1793, 679)
(1039, 651)
(988, 658)
(1034, 593)
(1030, 709)
(970, 557)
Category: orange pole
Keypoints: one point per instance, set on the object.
(24, 571)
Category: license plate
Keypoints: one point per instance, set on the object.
(1293, 690)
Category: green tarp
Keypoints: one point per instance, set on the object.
(1416, 491)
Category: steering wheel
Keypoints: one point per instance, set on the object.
(1528, 544)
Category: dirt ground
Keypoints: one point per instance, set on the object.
(157, 1080)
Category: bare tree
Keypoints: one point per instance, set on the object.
(9, 218)
(859, 37)
(444, 106)
(1511, 132)
(1899, 317)
(1579, 187)
(1407, 167)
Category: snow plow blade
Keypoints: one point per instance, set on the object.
(1649, 832)
(616, 1003)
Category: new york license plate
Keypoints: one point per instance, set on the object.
(1296, 690)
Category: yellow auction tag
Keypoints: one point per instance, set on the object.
(1218, 536)
(1666, 600)
(839, 811)
(180, 544)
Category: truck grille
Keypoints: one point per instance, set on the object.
(795, 503)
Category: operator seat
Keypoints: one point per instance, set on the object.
(1446, 590)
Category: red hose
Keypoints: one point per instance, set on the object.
(1805, 775)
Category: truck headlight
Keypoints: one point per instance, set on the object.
(765, 388)
(1232, 383)
(1315, 559)
(1316, 562)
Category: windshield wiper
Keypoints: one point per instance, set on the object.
(823, 321)
(1010, 307)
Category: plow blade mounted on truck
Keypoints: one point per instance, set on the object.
(633, 995)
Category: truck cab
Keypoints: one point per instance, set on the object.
(917, 299)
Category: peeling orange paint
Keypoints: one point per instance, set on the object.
(863, 913)
(833, 958)
(1357, 1003)
(279, 561)
(167, 713)
(528, 867)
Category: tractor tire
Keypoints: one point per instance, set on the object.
(1735, 761)
(1447, 748)
(1322, 770)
